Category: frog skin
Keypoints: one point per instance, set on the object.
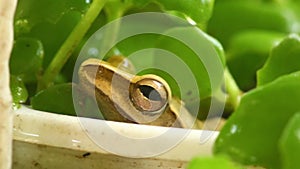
(125, 97)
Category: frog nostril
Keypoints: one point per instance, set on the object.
(150, 93)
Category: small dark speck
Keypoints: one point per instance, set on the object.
(189, 93)
(160, 164)
(86, 154)
(28, 45)
(180, 165)
(36, 164)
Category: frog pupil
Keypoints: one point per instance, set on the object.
(150, 93)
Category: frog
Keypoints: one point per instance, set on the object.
(123, 96)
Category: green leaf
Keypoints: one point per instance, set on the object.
(49, 21)
(131, 45)
(284, 59)
(18, 91)
(198, 11)
(251, 134)
(26, 59)
(56, 99)
(31, 12)
(290, 143)
(132, 49)
(53, 35)
(217, 162)
(247, 53)
(61, 98)
(250, 15)
(195, 56)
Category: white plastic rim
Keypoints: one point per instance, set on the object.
(69, 135)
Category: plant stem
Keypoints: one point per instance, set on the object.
(232, 90)
(113, 12)
(230, 97)
(70, 44)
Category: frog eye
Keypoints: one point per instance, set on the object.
(149, 96)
